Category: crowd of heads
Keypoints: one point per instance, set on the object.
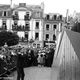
(32, 56)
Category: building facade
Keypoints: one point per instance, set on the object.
(30, 23)
(52, 27)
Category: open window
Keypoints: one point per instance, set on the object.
(47, 17)
(54, 37)
(47, 26)
(37, 36)
(55, 17)
(4, 25)
(55, 26)
(37, 25)
(5, 13)
(47, 36)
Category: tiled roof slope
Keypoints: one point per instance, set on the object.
(75, 41)
(4, 6)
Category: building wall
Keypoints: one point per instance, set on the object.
(0, 23)
(34, 30)
(8, 24)
(51, 32)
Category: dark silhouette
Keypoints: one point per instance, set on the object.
(9, 38)
(20, 67)
(76, 27)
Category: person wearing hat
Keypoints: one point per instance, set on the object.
(20, 66)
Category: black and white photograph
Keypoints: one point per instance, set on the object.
(39, 40)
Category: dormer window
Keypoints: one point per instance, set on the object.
(55, 17)
(27, 16)
(60, 17)
(47, 17)
(5, 13)
(27, 13)
(37, 14)
(15, 16)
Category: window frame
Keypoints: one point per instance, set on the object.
(46, 37)
(53, 37)
(37, 27)
(4, 13)
(54, 26)
(48, 26)
(37, 36)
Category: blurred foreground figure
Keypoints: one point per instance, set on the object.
(20, 66)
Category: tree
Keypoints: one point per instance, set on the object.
(9, 38)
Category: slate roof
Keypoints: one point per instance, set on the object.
(4, 6)
(75, 41)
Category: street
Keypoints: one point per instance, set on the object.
(34, 73)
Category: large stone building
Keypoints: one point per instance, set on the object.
(29, 22)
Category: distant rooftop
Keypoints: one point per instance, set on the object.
(3, 6)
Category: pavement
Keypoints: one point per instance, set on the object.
(34, 73)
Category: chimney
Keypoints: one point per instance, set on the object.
(42, 5)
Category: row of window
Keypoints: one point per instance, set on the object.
(55, 17)
(37, 15)
(54, 26)
(27, 24)
(47, 37)
(47, 26)
(16, 13)
(36, 45)
(37, 25)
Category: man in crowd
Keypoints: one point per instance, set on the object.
(20, 66)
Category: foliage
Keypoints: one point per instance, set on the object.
(9, 38)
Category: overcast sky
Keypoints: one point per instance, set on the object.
(51, 6)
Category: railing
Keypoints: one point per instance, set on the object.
(15, 17)
(20, 28)
(27, 17)
(3, 28)
(23, 40)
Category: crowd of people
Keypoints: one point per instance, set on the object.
(9, 57)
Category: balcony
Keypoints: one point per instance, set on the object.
(27, 18)
(4, 27)
(15, 17)
(23, 40)
(20, 28)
